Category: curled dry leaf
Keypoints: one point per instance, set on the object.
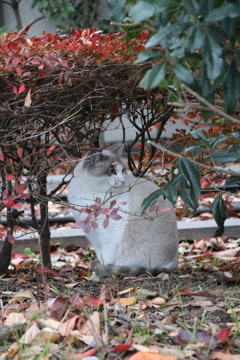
(30, 334)
(21, 296)
(15, 319)
(158, 301)
(67, 327)
(127, 301)
(127, 291)
(50, 323)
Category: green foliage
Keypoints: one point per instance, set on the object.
(71, 13)
(220, 214)
(191, 175)
(194, 43)
(195, 35)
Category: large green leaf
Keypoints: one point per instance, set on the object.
(212, 57)
(144, 9)
(225, 156)
(196, 39)
(186, 197)
(151, 199)
(191, 175)
(154, 76)
(148, 55)
(117, 10)
(231, 87)
(184, 74)
(220, 214)
(226, 10)
(171, 189)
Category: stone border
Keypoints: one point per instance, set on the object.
(66, 236)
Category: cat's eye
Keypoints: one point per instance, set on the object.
(112, 171)
(124, 170)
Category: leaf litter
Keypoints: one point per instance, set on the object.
(65, 315)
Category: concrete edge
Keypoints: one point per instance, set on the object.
(74, 236)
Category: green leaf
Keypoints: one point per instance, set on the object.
(148, 55)
(154, 76)
(226, 10)
(117, 10)
(184, 74)
(220, 214)
(192, 6)
(191, 175)
(232, 180)
(212, 57)
(144, 9)
(196, 39)
(171, 189)
(185, 195)
(151, 199)
(231, 88)
(198, 134)
(225, 156)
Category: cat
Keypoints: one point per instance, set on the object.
(134, 244)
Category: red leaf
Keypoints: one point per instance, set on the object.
(113, 203)
(8, 203)
(20, 152)
(10, 177)
(17, 206)
(1, 155)
(5, 194)
(10, 238)
(19, 188)
(15, 90)
(88, 353)
(106, 223)
(223, 336)
(27, 27)
(21, 89)
(50, 149)
(94, 224)
(121, 347)
(42, 73)
(19, 71)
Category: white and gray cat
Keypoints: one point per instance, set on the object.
(134, 244)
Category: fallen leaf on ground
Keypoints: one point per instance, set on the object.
(151, 356)
(218, 355)
(30, 334)
(15, 319)
(127, 301)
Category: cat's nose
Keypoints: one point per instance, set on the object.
(122, 181)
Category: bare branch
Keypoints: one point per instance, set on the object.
(211, 107)
(208, 167)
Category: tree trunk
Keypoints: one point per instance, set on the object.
(44, 227)
(5, 256)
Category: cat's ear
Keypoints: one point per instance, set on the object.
(116, 149)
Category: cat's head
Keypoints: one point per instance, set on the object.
(107, 166)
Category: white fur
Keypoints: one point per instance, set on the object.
(134, 241)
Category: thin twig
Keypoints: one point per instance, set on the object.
(208, 167)
(211, 106)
